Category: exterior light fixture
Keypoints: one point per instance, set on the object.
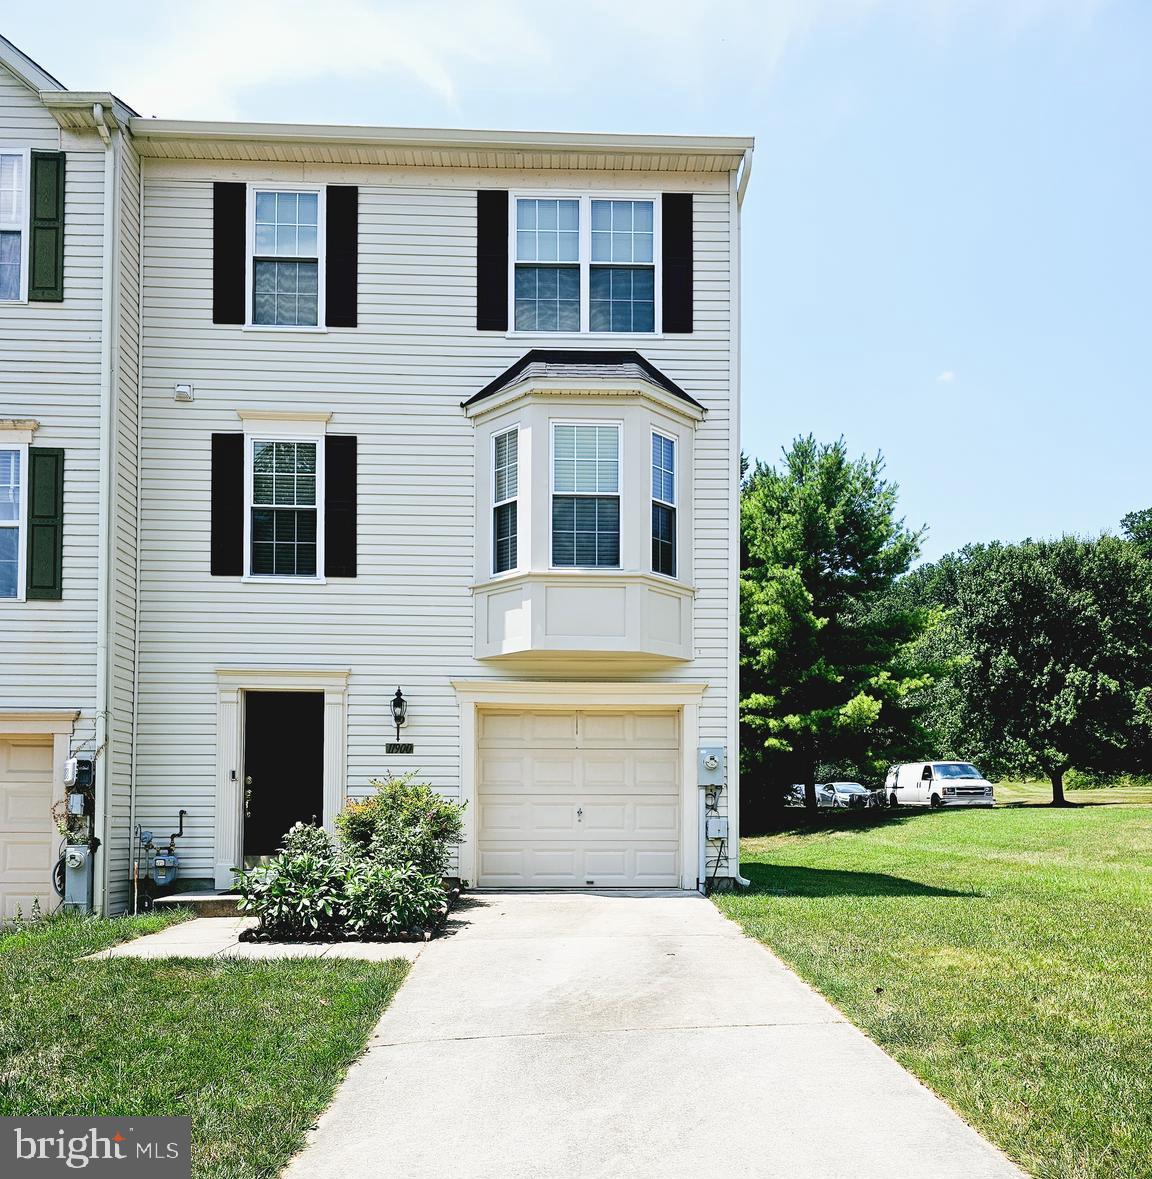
(399, 711)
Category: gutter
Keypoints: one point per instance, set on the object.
(109, 322)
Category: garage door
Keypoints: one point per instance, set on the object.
(578, 799)
(26, 828)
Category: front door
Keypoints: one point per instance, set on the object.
(283, 767)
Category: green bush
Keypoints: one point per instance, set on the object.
(403, 822)
(316, 890)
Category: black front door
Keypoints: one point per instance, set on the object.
(283, 766)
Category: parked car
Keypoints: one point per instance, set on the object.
(938, 784)
(849, 794)
(795, 795)
(836, 794)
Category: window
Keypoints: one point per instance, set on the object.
(584, 265)
(13, 223)
(286, 485)
(585, 496)
(286, 258)
(504, 492)
(12, 464)
(663, 505)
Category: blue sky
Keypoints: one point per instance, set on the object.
(948, 236)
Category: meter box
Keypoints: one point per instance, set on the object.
(711, 766)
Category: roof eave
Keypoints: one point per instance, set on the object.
(547, 388)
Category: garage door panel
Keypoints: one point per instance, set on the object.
(27, 833)
(577, 799)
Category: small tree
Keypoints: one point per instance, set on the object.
(827, 672)
(1056, 645)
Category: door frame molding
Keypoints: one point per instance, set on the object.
(231, 684)
(661, 696)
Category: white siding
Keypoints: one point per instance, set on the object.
(50, 371)
(396, 382)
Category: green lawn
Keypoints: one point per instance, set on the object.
(252, 1051)
(1001, 955)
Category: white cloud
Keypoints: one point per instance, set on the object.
(204, 58)
(946, 377)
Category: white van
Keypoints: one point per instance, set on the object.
(937, 783)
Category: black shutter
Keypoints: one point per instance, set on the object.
(491, 261)
(676, 227)
(341, 254)
(228, 506)
(45, 523)
(339, 505)
(229, 246)
(46, 242)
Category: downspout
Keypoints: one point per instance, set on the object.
(739, 185)
(109, 287)
(133, 846)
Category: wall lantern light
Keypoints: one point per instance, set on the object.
(399, 711)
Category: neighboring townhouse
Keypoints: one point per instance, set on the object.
(442, 423)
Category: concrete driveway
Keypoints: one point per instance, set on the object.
(578, 1035)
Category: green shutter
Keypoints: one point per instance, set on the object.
(46, 244)
(45, 523)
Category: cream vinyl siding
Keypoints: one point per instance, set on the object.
(396, 382)
(50, 372)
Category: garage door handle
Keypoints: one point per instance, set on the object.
(579, 812)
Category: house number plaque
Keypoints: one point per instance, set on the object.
(398, 747)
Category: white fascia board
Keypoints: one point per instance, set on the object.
(436, 137)
(556, 388)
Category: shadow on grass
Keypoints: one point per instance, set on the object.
(798, 821)
(786, 881)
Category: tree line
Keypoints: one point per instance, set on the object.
(1030, 659)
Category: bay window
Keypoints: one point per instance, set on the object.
(663, 504)
(505, 488)
(585, 495)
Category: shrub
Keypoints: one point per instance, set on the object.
(404, 822)
(314, 890)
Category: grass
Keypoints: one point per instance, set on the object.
(1000, 955)
(251, 1050)
(1040, 793)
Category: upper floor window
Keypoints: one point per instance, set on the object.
(663, 504)
(585, 495)
(285, 516)
(286, 257)
(11, 516)
(505, 489)
(13, 223)
(584, 264)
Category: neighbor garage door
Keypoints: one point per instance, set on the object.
(578, 799)
(26, 829)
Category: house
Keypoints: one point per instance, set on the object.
(302, 423)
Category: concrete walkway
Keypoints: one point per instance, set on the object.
(575, 1036)
(219, 937)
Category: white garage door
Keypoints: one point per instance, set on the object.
(26, 828)
(578, 799)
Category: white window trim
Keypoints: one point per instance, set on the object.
(321, 260)
(585, 262)
(497, 503)
(25, 229)
(250, 440)
(673, 503)
(20, 525)
(552, 492)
